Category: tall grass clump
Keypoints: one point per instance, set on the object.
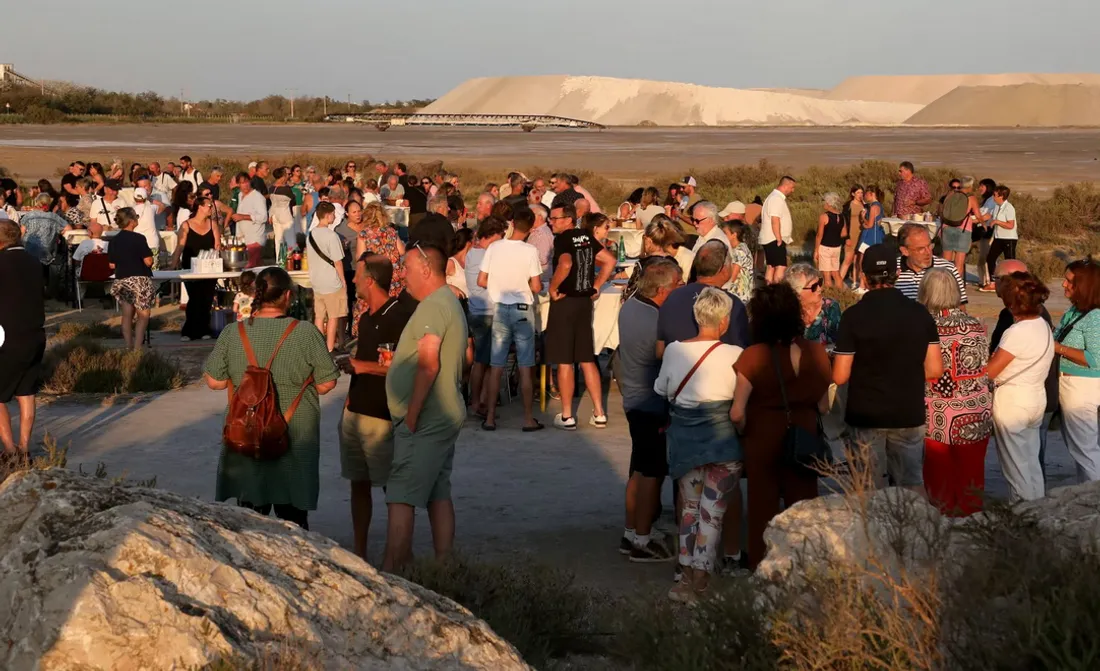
(83, 365)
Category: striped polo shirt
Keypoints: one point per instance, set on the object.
(909, 280)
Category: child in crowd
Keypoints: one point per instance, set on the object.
(242, 302)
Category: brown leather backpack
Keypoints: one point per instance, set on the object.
(254, 426)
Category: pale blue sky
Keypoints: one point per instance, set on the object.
(394, 49)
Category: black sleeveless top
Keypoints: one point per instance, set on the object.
(831, 236)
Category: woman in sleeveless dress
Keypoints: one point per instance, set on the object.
(282, 218)
(456, 265)
(198, 234)
(829, 240)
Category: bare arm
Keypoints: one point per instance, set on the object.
(325, 387)
(998, 362)
(741, 394)
(217, 237)
(360, 367)
(606, 261)
(427, 370)
(483, 279)
(842, 368)
(1075, 355)
(822, 221)
(933, 362)
(175, 263)
(535, 284)
(216, 385)
(565, 264)
(660, 349)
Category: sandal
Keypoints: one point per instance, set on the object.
(537, 427)
(485, 426)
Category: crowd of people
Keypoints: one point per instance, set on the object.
(724, 346)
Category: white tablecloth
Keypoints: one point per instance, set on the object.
(169, 238)
(632, 237)
(300, 276)
(893, 224)
(605, 317)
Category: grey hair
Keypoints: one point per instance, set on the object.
(908, 230)
(336, 193)
(801, 275)
(711, 307)
(660, 274)
(966, 182)
(217, 169)
(939, 291)
(436, 202)
(711, 258)
(489, 196)
(540, 211)
(43, 199)
(832, 199)
(705, 209)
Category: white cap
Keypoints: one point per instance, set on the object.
(141, 194)
(736, 207)
(252, 165)
(689, 181)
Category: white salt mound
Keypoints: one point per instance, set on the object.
(1022, 105)
(629, 102)
(924, 89)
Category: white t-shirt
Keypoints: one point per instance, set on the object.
(1032, 344)
(195, 177)
(1005, 212)
(510, 265)
(548, 198)
(182, 216)
(713, 381)
(322, 275)
(253, 232)
(103, 212)
(147, 223)
(164, 184)
(644, 215)
(775, 205)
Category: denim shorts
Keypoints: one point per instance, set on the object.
(513, 323)
(481, 329)
(956, 239)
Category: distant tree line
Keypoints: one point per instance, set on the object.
(37, 106)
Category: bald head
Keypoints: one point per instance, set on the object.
(1008, 267)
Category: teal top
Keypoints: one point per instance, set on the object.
(1085, 335)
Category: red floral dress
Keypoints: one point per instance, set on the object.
(383, 241)
(959, 404)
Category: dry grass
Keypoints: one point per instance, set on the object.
(83, 365)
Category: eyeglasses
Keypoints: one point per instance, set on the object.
(559, 218)
(812, 287)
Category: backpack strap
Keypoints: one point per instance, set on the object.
(248, 351)
(286, 334)
(297, 399)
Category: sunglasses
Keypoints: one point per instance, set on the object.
(812, 287)
(698, 221)
(423, 254)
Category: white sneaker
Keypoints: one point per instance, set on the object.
(565, 423)
(598, 421)
(185, 339)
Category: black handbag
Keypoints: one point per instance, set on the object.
(802, 450)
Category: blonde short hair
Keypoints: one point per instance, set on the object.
(939, 290)
(711, 307)
(832, 199)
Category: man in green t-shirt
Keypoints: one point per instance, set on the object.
(425, 401)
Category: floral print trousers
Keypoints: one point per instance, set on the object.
(704, 495)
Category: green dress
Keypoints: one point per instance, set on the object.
(293, 478)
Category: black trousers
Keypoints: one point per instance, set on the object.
(996, 248)
(283, 511)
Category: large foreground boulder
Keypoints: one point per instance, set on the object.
(97, 575)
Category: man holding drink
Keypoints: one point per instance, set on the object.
(366, 429)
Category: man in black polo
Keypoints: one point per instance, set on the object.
(366, 429)
(573, 289)
(887, 347)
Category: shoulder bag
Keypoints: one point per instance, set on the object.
(802, 450)
(317, 249)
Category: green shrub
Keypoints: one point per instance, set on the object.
(537, 609)
(42, 115)
(70, 330)
(83, 365)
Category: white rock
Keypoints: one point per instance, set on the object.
(104, 576)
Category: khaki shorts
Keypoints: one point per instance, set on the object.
(828, 259)
(332, 306)
(421, 467)
(366, 448)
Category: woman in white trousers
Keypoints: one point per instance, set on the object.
(1019, 370)
(1078, 345)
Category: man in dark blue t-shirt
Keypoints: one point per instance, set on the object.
(677, 317)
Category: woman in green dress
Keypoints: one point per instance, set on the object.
(288, 484)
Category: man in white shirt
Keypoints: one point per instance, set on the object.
(104, 207)
(511, 273)
(251, 220)
(1002, 217)
(162, 182)
(775, 230)
(146, 210)
(325, 253)
(705, 218)
(95, 244)
(188, 173)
